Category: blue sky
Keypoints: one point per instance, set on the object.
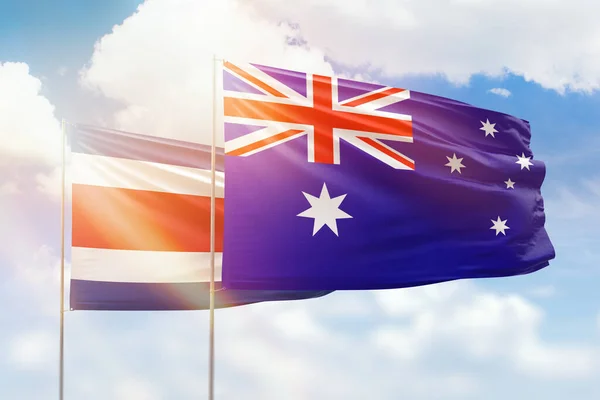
(523, 337)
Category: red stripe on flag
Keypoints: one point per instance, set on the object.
(323, 131)
(254, 80)
(386, 150)
(126, 219)
(264, 142)
(298, 114)
(372, 97)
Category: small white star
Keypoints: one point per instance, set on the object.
(324, 210)
(488, 128)
(510, 184)
(523, 161)
(454, 164)
(499, 226)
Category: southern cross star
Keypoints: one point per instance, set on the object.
(488, 128)
(499, 226)
(324, 210)
(523, 161)
(454, 164)
(510, 184)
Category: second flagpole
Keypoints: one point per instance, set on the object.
(61, 361)
(211, 356)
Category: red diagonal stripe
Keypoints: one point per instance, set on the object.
(264, 142)
(253, 79)
(387, 151)
(373, 97)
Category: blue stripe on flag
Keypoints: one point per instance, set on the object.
(107, 296)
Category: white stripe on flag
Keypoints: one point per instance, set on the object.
(143, 175)
(142, 266)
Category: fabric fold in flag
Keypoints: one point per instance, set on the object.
(335, 184)
(141, 225)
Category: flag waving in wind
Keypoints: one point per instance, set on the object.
(141, 225)
(337, 184)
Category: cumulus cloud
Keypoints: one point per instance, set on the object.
(32, 350)
(41, 269)
(500, 92)
(300, 350)
(483, 324)
(50, 183)
(8, 188)
(165, 85)
(134, 389)
(317, 354)
(576, 201)
(544, 291)
(574, 218)
(30, 134)
(29, 131)
(35, 280)
(555, 44)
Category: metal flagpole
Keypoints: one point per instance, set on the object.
(62, 268)
(211, 365)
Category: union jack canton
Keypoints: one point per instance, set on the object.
(283, 107)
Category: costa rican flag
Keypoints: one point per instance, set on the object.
(141, 208)
(283, 106)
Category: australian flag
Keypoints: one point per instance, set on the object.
(336, 184)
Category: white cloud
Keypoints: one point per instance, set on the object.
(456, 38)
(165, 85)
(500, 92)
(35, 280)
(32, 350)
(8, 188)
(300, 350)
(573, 202)
(482, 324)
(50, 183)
(43, 267)
(460, 384)
(544, 291)
(29, 130)
(298, 323)
(576, 205)
(328, 357)
(133, 389)
(573, 219)
(30, 134)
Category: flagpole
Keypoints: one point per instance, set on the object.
(62, 268)
(211, 366)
